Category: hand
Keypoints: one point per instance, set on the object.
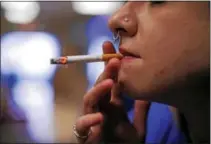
(104, 111)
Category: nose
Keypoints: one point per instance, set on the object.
(124, 21)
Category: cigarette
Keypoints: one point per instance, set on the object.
(84, 58)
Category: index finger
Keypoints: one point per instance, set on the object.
(92, 98)
(108, 48)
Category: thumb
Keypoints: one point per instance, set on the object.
(116, 95)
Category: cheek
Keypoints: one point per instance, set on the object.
(162, 64)
(170, 54)
(166, 49)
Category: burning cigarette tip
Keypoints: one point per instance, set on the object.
(52, 61)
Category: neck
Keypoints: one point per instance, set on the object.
(196, 111)
(192, 98)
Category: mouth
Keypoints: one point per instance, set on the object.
(127, 54)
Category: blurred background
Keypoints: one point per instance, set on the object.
(40, 102)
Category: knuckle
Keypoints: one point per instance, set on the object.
(89, 106)
(82, 121)
(81, 124)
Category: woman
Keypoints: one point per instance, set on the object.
(166, 49)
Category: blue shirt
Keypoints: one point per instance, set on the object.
(161, 128)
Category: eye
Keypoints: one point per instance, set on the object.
(157, 2)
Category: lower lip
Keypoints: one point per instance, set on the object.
(128, 58)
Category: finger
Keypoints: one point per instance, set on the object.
(175, 114)
(108, 47)
(110, 71)
(116, 95)
(96, 135)
(84, 123)
(115, 101)
(141, 109)
(92, 98)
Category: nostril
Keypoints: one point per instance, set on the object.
(120, 30)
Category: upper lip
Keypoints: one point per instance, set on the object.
(125, 52)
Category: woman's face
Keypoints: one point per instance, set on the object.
(166, 41)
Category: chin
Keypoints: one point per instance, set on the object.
(138, 88)
(130, 86)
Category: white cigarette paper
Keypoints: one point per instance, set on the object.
(84, 58)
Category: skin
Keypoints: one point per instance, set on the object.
(172, 41)
(104, 110)
(166, 37)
